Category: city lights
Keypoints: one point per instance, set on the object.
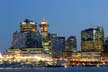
(40, 47)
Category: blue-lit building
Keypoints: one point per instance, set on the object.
(71, 46)
(58, 46)
(27, 40)
(28, 36)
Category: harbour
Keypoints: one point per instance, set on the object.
(60, 69)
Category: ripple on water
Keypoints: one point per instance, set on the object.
(59, 69)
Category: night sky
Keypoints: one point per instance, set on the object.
(65, 17)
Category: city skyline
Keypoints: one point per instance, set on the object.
(65, 18)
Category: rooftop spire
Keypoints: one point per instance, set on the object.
(43, 18)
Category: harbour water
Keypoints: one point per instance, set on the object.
(59, 69)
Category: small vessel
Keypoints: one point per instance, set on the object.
(65, 65)
(97, 65)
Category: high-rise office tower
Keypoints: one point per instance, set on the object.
(28, 37)
(58, 46)
(28, 26)
(27, 40)
(71, 45)
(45, 36)
(92, 39)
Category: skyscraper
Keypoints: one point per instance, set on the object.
(45, 36)
(28, 26)
(92, 39)
(58, 46)
(71, 45)
(28, 37)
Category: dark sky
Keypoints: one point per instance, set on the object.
(65, 17)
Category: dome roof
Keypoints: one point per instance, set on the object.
(44, 20)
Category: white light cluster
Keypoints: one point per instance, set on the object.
(23, 23)
(32, 22)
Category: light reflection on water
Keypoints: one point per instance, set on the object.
(59, 69)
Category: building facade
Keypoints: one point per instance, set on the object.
(58, 46)
(46, 42)
(27, 40)
(105, 50)
(92, 39)
(28, 26)
(28, 37)
(71, 46)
